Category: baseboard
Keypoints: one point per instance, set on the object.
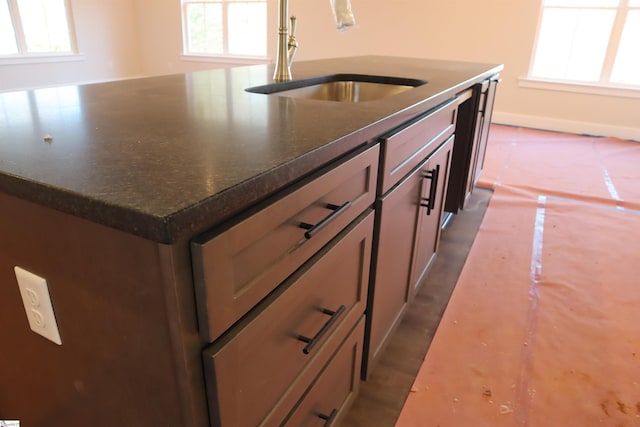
(559, 125)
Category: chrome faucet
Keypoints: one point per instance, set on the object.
(287, 44)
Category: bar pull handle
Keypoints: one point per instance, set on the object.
(430, 202)
(311, 342)
(313, 229)
(328, 419)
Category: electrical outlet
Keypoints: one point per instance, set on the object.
(37, 305)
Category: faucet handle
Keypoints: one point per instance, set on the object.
(293, 26)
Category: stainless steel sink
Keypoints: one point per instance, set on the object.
(341, 87)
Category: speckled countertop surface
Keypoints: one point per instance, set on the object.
(166, 157)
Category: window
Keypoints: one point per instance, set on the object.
(35, 27)
(225, 27)
(589, 41)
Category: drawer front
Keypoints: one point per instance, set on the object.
(336, 388)
(404, 150)
(236, 269)
(270, 358)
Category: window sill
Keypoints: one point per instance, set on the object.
(246, 60)
(577, 87)
(40, 58)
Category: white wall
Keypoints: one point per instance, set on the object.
(108, 39)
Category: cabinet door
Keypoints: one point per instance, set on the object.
(472, 176)
(464, 149)
(487, 112)
(472, 131)
(397, 222)
(435, 175)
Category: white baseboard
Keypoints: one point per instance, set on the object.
(559, 125)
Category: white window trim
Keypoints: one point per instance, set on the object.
(602, 87)
(621, 91)
(29, 58)
(226, 59)
(215, 57)
(21, 59)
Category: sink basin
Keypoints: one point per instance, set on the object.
(341, 87)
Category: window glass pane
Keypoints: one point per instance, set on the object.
(248, 29)
(634, 3)
(582, 3)
(626, 68)
(572, 43)
(204, 26)
(7, 37)
(45, 25)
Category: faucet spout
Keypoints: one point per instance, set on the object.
(287, 44)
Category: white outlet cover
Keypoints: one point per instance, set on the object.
(37, 305)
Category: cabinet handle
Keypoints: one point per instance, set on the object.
(311, 342)
(328, 418)
(430, 202)
(313, 229)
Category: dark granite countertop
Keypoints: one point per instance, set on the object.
(166, 157)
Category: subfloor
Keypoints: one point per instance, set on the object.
(541, 329)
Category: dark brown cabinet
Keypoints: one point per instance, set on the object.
(236, 266)
(485, 111)
(336, 388)
(260, 287)
(435, 176)
(291, 281)
(397, 226)
(408, 222)
(472, 133)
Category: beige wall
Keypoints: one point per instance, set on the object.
(108, 39)
(495, 31)
(498, 31)
(160, 35)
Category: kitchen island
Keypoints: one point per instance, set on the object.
(148, 206)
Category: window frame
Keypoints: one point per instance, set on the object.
(23, 55)
(225, 56)
(604, 86)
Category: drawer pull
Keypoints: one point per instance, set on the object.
(430, 202)
(313, 229)
(312, 341)
(329, 418)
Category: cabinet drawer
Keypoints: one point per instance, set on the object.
(403, 150)
(237, 268)
(336, 388)
(264, 362)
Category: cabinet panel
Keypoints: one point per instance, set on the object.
(487, 109)
(398, 215)
(331, 396)
(408, 230)
(434, 191)
(472, 131)
(238, 267)
(261, 364)
(405, 149)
